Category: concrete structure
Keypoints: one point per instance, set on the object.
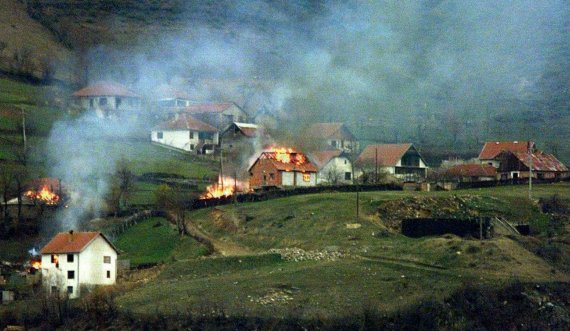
(334, 167)
(186, 133)
(270, 170)
(107, 99)
(72, 260)
(334, 135)
(403, 161)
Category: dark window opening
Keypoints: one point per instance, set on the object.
(191, 135)
(70, 289)
(102, 101)
(159, 135)
(108, 274)
(71, 274)
(69, 257)
(118, 103)
(347, 175)
(106, 259)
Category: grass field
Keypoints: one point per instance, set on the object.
(387, 271)
(154, 240)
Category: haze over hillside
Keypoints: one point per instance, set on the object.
(447, 75)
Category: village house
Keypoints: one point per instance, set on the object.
(237, 133)
(402, 161)
(219, 115)
(335, 135)
(515, 165)
(471, 173)
(186, 133)
(282, 169)
(334, 167)
(107, 99)
(167, 96)
(491, 149)
(72, 261)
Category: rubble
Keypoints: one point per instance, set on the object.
(296, 254)
(391, 213)
(276, 296)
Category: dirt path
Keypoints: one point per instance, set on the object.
(222, 247)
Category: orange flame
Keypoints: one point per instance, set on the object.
(44, 195)
(37, 265)
(288, 155)
(223, 188)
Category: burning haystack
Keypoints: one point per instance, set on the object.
(225, 187)
(282, 167)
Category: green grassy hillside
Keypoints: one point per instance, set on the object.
(326, 262)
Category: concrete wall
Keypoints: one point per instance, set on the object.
(177, 139)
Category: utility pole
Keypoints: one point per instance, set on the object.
(235, 187)
(221, 168)
(530, 165)
(376, 165)
(24, 128)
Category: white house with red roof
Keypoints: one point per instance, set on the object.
(107, 99)
(334, 135)
(403, 161)
(219, 115)
(75, 260)
(186, 133)
(334, 167)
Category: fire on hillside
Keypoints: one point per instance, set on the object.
(225, 187)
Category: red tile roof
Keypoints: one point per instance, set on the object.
(493, 148)
(185, 122)
(248, 130)
(472, 170)
(330, 130)
(388, 154)
(321, 158)
(105, 89)
(541, 161)
(71, 242)
(208, 108)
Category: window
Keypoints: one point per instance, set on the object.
(272, 176)
(71, 274)
(55, 260)
(192, 147)
(345, 161)
(70, 289)
(347, 176)
(70, 258)
(108, 273)
(191, 134)
(107, 259)
(91, 103)
(306, 177)
(102, 101)
(118, 103)
(159, 135)
(333, 143)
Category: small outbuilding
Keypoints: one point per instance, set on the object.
(75, 260)
(472, 172)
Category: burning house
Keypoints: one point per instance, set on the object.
(282, 167)
(72, 260)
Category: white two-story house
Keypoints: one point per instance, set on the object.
(186, 133)
(72, 260)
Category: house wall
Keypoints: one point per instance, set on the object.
(88, 267)
(103, 104)
(288, 178)
(93, 257)
(264, 173)
(305, 178)
(337, 165)
(181, 139)
(344, 145)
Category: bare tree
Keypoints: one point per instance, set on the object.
(333, 175)
(174, 200)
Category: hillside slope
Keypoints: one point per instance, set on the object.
(25, 37)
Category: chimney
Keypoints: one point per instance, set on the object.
(70, 235)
